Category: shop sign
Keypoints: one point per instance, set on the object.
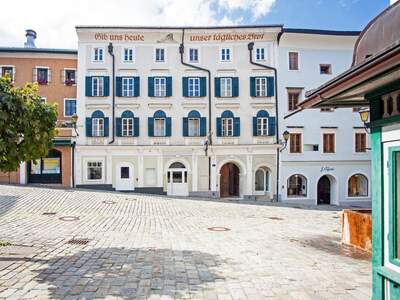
(327, 169)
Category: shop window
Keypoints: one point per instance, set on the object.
(297, 186)
(358, 186)
(262, 180)
(94, 170)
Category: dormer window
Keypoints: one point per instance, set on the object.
(70, 77)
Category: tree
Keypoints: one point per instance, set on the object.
(27, 125)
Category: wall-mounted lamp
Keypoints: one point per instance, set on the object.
(285, 135)
(364, 116)
(74, 120)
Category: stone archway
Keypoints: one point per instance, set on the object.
(229, 180)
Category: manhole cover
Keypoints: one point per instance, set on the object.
(218, 229)
(109, 202)
(49, 213)
(69, 218)
(275, 218)
(78, 241)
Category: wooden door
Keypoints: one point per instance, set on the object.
(229, 180)
(324, 190)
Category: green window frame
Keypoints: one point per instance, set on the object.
(394, 258)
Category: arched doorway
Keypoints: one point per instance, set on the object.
(177, 179)
(229, 180)
(324, 190)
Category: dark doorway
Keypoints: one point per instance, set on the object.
(324, 190)
(46, 169)
(229, 180)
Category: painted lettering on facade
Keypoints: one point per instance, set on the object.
(327, 169)
(227, 37)
(118, 37)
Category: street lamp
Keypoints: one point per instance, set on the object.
(74, 120)
(364, 116)
(285, 135)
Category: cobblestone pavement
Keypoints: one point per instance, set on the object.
(149, 247)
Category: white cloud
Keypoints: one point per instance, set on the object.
(55, 21)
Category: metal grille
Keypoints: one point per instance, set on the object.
(275, 218)
(49, 213)
(78, 241)
(218, 229)
(69, 218)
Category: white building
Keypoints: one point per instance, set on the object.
(151, 136)
(326, 159)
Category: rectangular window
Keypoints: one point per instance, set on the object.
(325, 69)
(194, 87)
(127, 87)
(51, 165)
(69, 107)
(194, 127)
(98, 126)
(193, 55)
(70, 77)
(7, 71)
(128, 55)
(159, 127)
(227, 127)
(295, 143)
(261, 87)
(160, 55)
(98, 54)
(160, 87)
(94, 170)
(262, 126)
(260, 54)
(127, 127)
(293, 98)
(293, 60)
(226, 54)
(98, 86)
(328, 142)
(42, 75)
(360, 142)
(226, 87)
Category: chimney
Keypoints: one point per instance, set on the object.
(30, 38)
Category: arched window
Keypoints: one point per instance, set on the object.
(193, 125)
(358, 186)
(297, 186)
(177, 176)
(98, 123)
(262, 179)
(228, 125)
(177, 165)
(160, 124)
(127, 120)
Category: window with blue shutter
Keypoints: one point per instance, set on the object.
(97, 125)
(228, 125)
(118, 126)
(236, 126)
(136, 126)
(150, 125)
(217, 86)
(270, 86)
(150, 88)
(88, 86)
(185, 126)
(219, 127)
(203, 126)
(271, 126)
(88, 125)
(136, 86)
(168, 125)
(169, 86)
(252, 86)
(106, 86)
(261, 124)
(203, 86)
(118, 86)
(125, 125)
(106, 126)
(194, 125)
(235, 86)
(185, 86)
(160, 125)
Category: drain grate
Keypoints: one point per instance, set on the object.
(218, 229)
(275, 218)
(49, 213)
(109, 202)
(69, 218)
(78, 241)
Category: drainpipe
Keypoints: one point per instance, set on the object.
(250, 46)
(111, 52)
(73, 163)
(209, 140)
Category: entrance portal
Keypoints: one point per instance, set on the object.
(229, 180)
(124, 177)
(324, 190)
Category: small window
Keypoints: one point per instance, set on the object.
(297, 186)
(128, 55)
(43, 99)
(194, 127)
(293, 98)
(124, 172)
(98, 54)
(42, 75)
(94, 170)
(98, 126)
(7, 71)
(261, 87)
(295, 143)
(262, 126)
(325, 69)
(328, 142)
(69, 107)
(127, 87)
(160, 55)
(70, 77)
(227, 127)
(193, 55)
(160, 87)
(98, 86)
(260, 54)
(360, 142)
(159, 127)
(194, 87)
(127, 126)
(226, 54)
(358, 186)
(293, 60)
(226, 87)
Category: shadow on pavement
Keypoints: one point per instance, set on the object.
(7, 202)
(129, 273)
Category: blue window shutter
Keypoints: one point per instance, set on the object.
(217, 83)
(219, 125)
(88, 86)
(106, 86)
(203, 86)
(136, 86)
(118, 125)
(150, 87)
(254, 126)
(151, 126)
(236, 126)
(89, 127)
(106, 126)
(185, 127)
(185, 86)
(168, 81)
(135, 126)
(270, 86)
(203, 126)
(118, 88)
(235, 86)
(169, 126)
(271, 126)
(252, 86)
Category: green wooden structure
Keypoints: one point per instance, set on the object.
(372, 84)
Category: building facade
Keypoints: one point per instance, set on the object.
(55, 72)
(327, 158)
(181, 111)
